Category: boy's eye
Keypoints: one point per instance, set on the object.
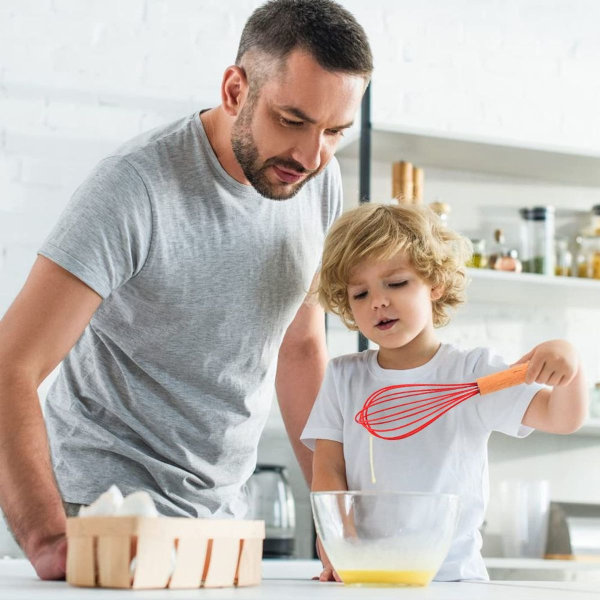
(397, 283)
(359, 295)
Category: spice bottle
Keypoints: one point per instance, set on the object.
(537, 239)
(580, 267)
(509, 261)
(564, 258)
(478, 258)
(498, 249)
(441, 209)
(595, 220)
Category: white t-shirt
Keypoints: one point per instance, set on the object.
(448, 456)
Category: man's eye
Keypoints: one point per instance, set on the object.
(290, 123)
(335, 132)
(359, 295)
(398, 283)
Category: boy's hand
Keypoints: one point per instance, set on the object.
(554, 363)
(328, 573)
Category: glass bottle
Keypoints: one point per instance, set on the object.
(595, 221)
(498, 250)
(564, 258)
(442, 209)
(537, 239)
(509, 261)
(594, 267)
(478, 258)
(580, 267)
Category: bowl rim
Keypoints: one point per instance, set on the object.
(383, 493)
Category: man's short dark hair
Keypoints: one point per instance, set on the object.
(323, 28)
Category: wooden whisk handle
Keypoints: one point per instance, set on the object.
(503, 379)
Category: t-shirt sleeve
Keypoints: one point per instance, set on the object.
(326, 420)
(103, 236)
(503, 411)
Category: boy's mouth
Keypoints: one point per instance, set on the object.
(386, 323)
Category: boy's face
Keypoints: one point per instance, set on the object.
(391, 304)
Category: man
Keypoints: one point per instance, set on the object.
(173, 287)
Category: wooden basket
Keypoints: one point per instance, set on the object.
(169, 552)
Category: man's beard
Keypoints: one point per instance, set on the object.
(246, 153)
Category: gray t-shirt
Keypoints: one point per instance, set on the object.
(169, 386)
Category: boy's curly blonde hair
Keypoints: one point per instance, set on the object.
(381, 231)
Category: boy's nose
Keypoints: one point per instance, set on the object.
(379, 301)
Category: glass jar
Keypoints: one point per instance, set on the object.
(595, 221)
(564, 258)
(478, 259)
(442, 209)
(590, 249)
(595, 401)
(580, 267)
(509, 261)
(537, 239)
(498, 249)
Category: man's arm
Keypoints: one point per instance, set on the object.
(300, 371)
(37, 331)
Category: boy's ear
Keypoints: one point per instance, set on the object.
(436, 292)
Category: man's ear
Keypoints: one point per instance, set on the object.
(234, 90)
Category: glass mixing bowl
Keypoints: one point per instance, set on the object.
(386, 538)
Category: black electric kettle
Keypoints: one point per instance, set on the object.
(270, 499)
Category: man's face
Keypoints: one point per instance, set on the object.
(289, 132)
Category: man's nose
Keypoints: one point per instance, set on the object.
(308, 151)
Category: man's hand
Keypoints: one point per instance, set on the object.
(50, 558)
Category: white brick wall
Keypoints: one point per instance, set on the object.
(78, 77)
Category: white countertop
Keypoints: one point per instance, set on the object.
(290, 580)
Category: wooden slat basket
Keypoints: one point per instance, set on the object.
(163, 552)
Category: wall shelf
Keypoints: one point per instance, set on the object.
(569, 166)
(528, 288)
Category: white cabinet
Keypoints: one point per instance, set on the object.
(434, 149)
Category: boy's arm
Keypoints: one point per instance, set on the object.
(329, 467)
(564, 408)
(329, 474)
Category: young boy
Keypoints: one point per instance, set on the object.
(392, 272)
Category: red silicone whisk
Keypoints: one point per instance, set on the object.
(385, 414)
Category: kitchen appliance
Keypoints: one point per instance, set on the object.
(385, 414)
(574, 531)
(379, 537)
(271, 500)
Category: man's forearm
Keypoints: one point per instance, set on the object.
(299, 377)
(29, 495)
